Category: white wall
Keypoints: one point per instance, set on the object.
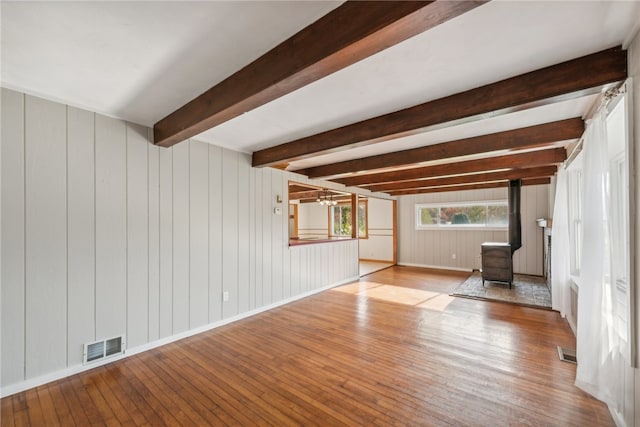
(379, 244)
(633, 414)
(435, 247)
(313, 220)
(105, 234)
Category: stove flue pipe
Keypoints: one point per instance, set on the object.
(515, 225)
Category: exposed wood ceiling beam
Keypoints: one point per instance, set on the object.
(338, 199)
(297, 188)
(341, 199)
(568, 80)
(313, 194)
(304, 194)
(346, 35)
(529, 159)
(528, 181)
(537, 172)
(522, 138)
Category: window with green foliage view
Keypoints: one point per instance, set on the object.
(471, 214)
(340, 220)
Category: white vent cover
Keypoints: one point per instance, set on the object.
(102, 349)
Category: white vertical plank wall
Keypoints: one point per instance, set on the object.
(199, 234)
(230, 160)
(165, 296)
(277, 284)
(252, 243)
(153, 262)
(244, 174)
(215, 233)
(265, 218)
(13, 252)
(434, 248)
(104, 234)
(45, 236)
(137, 236)
(257, 244)
(181, 248)
(111, 227)
(81, 233)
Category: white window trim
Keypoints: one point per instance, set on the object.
(458, 227)
(332, 221)
(575, 186)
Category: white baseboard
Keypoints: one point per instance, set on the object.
(76, 369)
(437, 267)
(618, 418)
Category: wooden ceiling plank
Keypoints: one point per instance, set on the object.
(527, 137)
(528, 159)
(351, 32)
(342, 199)
(304, 195)
(535, 172)
(296, 188)
(294, 195)
(528, 181)
(568, 80)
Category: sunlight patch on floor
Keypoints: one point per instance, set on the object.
(354, 288)
(439, 303)
(398, 294)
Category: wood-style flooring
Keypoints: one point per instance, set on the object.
(392, 349)
(366, 267)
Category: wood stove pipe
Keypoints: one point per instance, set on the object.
(515, 226)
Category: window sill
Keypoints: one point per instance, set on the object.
(575, 281)
(461, 228)
(301, 242)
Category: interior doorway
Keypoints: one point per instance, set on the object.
(377, 245)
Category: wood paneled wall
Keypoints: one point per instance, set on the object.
(105, 234)
(436, 247)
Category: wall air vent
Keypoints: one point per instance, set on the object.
(93, 351)
(102, 349)
(113, 346)
(567, 355)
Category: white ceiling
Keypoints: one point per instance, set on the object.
(141, 60)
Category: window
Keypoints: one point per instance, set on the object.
(619, 216)
(490, 214)
(575, 214)
(363, 219)
(340, 220)
(619, 221)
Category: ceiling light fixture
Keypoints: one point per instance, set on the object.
(325, 198)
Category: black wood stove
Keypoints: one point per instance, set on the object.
(497, 258)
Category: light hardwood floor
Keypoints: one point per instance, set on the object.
(392, 349)
(368, 267)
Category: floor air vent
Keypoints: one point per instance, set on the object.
(102, 349)
(567, 355)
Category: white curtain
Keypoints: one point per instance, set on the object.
(560, 262)
(596, 341)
